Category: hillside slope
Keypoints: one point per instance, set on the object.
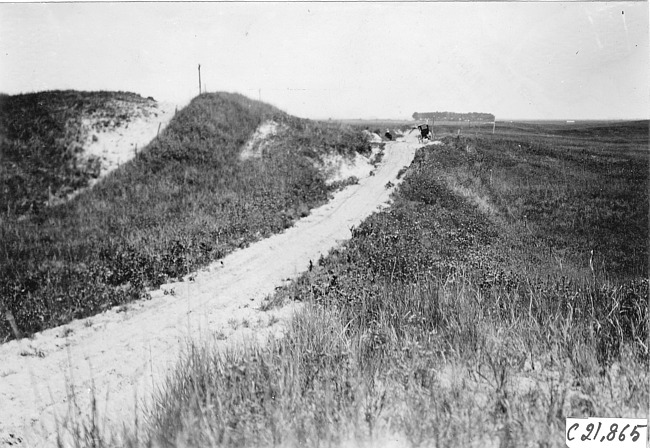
(185, 200)
(54, 143)
(124, 355)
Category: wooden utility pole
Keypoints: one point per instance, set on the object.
(199, 79)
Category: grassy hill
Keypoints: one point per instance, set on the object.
(184, 200)
(41, 135)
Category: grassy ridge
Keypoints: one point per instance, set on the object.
(449, 319)
(185, 200)
(40, 136)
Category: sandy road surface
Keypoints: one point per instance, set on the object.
(120, 355)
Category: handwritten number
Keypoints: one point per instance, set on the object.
(635, 434)
(612, 432)
(590, 434)
(598, 429)
(621, 436)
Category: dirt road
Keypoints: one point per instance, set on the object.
(121, 356)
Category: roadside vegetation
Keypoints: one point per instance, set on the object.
(379, 127)
(185, 200)
(504, 290)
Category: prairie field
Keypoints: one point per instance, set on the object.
(185, 200)
(504, 290)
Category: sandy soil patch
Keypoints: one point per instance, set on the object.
(115, 135)
(338, 168)
(372, 137)
(260, 139)
(115, 140)
(122, 355)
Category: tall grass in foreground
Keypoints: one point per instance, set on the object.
(441, 323)
(437, 367)
(185, 200)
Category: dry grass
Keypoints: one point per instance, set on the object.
(439, 324)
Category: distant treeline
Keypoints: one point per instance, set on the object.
(453, 116)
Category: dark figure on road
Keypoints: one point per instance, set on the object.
(425, 132)
(388, 135)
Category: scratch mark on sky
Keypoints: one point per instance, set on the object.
(591, 21)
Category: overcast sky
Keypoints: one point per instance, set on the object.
(551, 60)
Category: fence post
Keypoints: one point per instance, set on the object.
(12, 322)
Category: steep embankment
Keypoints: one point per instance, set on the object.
(55, 143)
(186, 199)
(124, 354)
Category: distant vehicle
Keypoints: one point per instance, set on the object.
(388, 135)
(425, 132)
